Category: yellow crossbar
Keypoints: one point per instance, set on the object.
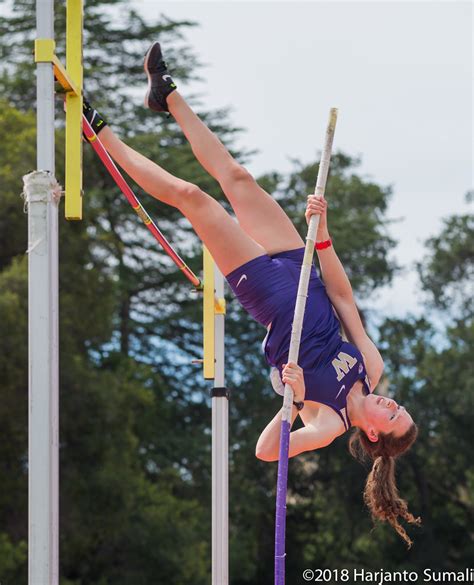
(45, 53)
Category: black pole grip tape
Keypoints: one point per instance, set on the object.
(220, 393)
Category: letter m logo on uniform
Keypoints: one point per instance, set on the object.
(342, 364)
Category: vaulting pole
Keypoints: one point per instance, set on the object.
(282, 481)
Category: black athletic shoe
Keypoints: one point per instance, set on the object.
(93, 117)
(160, 84)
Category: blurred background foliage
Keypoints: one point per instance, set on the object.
(135, 414)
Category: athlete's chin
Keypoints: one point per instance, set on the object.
(371, 399)
(371, 406)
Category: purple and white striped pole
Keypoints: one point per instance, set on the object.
(282, 480)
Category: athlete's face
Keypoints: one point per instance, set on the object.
(384, 415)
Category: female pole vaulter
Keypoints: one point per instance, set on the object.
(261, 257)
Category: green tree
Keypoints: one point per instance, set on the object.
(13, 420)
(135, 421)
(447, 272)
(429, 368)
(17, 156)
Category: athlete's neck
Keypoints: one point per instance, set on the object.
(355, 405)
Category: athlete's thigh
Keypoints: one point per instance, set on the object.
(262, 218)
(228, 243)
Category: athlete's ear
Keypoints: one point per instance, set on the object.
(372, 434)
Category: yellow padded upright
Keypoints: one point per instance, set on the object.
(74, 70)
(208, 321)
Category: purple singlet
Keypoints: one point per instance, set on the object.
(266, 287)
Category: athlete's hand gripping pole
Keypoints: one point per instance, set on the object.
(282, 481)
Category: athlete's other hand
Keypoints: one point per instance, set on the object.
(292, 374)
(317, 205)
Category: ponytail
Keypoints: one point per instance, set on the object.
(381, 493)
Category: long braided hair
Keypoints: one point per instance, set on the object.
(381, 493)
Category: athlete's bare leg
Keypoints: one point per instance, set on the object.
(258, 213)
(229, 245)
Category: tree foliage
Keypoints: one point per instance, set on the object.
(447, 273)
(135, 418)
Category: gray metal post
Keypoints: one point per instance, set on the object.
(43, 336)
(220, 455)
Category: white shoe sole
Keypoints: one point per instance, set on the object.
(145, 67)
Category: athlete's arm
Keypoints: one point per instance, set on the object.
(339, 290)
(317, 435)
(332, 271)
(313, 436)
(325, 428)
(269, 442)
(350, 319)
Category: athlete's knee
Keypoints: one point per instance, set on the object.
(188, 191)
(190, 195)
(236, 173)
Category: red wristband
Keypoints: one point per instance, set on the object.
(323, 245)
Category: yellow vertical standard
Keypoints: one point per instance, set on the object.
(208, 311)
(74, 110)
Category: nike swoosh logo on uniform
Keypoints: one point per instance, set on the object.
(342, 388)
(243, 277)
(165, 77)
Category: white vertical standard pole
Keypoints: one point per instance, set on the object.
(43, 329)
(220, 449)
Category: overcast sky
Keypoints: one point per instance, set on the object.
(399, 72)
